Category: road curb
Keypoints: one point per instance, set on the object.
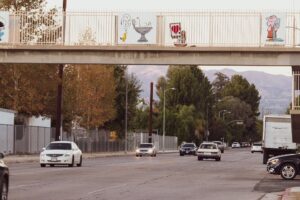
(272, 196)
(35, 158)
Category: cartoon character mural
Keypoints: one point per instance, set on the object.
(125, 23)
(4, 26)
(133, 28)
(273, 25)
(2, 29)
(178, 33)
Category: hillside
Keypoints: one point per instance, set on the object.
(275, 90)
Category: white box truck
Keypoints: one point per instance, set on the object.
(277, 136)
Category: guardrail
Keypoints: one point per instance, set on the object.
(203, 29)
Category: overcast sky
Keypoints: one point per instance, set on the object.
(177, 4)
(164, 5)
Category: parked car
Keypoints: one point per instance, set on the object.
(235, 145)
(209, 150)
(245, 144)
(188, 149)
(146, 149)
(256, 147)
(61, 153)
(288, 166)
(221, 145)
(4, 178)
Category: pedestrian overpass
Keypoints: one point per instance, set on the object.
(156, 38)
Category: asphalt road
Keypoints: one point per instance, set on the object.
(239, 175)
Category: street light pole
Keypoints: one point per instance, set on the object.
(164, 117)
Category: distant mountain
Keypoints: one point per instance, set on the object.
(275, 90)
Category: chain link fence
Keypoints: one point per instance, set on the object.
(20, 139)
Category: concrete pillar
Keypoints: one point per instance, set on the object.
(295, 110)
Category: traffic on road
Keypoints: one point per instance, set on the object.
(129, 177)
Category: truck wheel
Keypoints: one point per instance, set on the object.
(265, 157)
(288, 171)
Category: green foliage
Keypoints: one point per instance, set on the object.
(186, 106)
(219, 84)
(134, 89)
(239, 87)
(240, 101)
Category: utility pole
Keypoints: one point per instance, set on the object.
(207, 132)
(126, 110)
(59, 100)
(150, 113)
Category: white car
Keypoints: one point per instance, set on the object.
(146, 149)
(256, 147)
(209, 150)
(235, 145)
(61, 153)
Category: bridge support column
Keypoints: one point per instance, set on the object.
(295, 110)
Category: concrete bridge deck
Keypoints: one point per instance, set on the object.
(151, 55)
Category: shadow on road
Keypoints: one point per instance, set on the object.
(273, 183)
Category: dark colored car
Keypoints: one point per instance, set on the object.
(221, 145)
(4, 178)
(288, 166)
(188, 149)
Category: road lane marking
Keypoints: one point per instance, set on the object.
(25, 185)
(106, 188)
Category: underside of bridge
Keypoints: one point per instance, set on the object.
(295, 111)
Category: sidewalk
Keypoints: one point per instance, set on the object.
(35, 158)
(292, 193)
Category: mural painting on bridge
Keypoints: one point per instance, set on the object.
(273, 29)
(4, 26)
(136, 28)
(178, 33)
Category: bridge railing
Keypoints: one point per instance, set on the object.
(204, 29)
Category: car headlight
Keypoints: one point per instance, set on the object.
(67, 155)
(274, 161)
(42, 154)
(150, 150)
(137, 151)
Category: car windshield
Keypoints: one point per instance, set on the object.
(188, 145)
(59, 146)
(208, 146)
(145, 145)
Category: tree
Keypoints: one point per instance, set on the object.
(242, 100)
(239, 87)
(21, 5)
(28, 89)
(134, 89)
(95, 96)
(219, 84)
(186, 106)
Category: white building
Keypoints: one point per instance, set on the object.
(7, 116)
(38, 121)
(7, 121)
